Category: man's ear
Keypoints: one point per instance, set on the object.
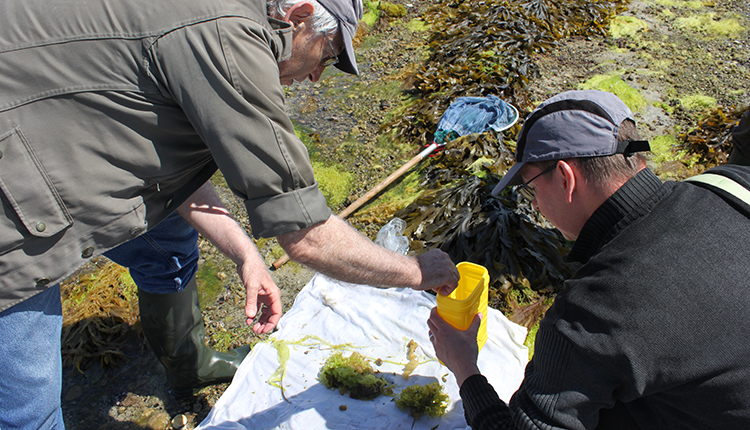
(569, 181)
(299, 13)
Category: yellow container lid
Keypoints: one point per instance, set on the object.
(469, 298)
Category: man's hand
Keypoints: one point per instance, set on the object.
(207, 214)
(438, 272)
(263, 296)
(455, 348)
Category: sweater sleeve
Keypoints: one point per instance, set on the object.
(483, 408)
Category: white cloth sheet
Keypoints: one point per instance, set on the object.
(328, 316)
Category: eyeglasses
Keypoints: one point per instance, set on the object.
(330, 61)
(526, 191)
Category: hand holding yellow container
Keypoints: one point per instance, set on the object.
(469, 298)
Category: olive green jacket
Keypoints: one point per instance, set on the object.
(112, 112)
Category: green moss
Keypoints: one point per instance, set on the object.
(417, 25)
(307, 136)
(667, 13)
(697, 102)
(666, 149)
(277, 251)
(614, 84)
(394, 10)
(665, 107)
(709, 25)
(387, 90)
(353, 375)
(420, 400)
(209, 284)
(663, 149)
(334, 183)
(626, 26)
(681, 4)
(399, 195)
(371, 12)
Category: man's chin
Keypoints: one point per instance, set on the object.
(286, 81)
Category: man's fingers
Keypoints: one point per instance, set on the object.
(251, 306)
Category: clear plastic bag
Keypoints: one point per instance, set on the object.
(391, 236)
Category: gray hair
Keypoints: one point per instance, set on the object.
(322, 20)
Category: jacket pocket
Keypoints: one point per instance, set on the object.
(31, 204)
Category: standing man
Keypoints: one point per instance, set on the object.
(651, 332)
(113, 113)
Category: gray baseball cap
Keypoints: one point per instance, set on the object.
(573, 124)
(348, 13)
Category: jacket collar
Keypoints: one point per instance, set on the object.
(615, 214)
(283, 30)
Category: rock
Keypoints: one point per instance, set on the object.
(159, 420)
(179, 421)
(129, 400)
(73, 393)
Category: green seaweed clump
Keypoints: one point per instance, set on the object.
(354, 375)
(420, 400)
(100, 316)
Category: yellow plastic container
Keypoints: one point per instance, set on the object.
(469, 298)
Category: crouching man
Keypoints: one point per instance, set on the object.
(651, 332)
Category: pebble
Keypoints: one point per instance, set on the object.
(179, 421)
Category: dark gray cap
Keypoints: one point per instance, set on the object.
(573, 124)
(348, 13)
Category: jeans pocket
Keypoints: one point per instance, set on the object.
(31, 204)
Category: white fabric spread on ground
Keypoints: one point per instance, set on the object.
(377, 323)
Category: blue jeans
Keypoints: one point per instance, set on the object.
(30, 363)
(164, 259)
(161, 261)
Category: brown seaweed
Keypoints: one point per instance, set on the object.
(458, 214)
(482, 48)
(711, 140)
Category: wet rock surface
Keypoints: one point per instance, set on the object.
(341, 108)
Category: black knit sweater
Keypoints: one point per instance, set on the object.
(653, 331)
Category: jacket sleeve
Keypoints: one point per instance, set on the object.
(224, 75)
(483, 409)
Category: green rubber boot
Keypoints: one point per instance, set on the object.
(173, 325)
